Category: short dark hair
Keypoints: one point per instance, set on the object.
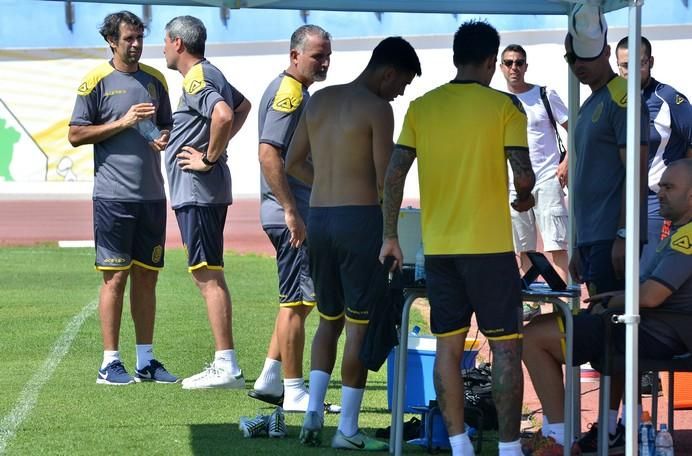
(191, 32)
(111, 24)
(301, 34)
(622, 44)
(474, 42)
(514, 48)
(396, 52)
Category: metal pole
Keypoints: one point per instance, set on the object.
(631, 316)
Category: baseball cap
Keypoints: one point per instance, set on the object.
(588, 30)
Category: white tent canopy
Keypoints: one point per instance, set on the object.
(525, 7)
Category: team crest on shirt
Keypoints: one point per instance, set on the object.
(679, 99)
(681, 241)
(83, 89)
(597, 113)
(156, 254)
(151, 88)
(288, 96)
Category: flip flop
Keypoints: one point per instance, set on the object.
(268, 398)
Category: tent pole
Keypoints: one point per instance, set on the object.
(631, 317)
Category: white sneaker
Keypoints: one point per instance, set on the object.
(214, 377)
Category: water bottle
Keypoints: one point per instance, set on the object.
(148, 129)
(646, 436)
(664, 442)
(419, 270)
(415, 331)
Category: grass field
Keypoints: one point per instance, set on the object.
(51, 349)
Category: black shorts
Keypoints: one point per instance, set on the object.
(127, 233)
(589, 340)
(487, 285)
(201, 228)
(295, 284)
(345, 244)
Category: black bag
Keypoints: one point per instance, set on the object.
(560, 145)
(478, 395)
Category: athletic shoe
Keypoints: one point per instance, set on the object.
(588, 442)
(154, 372)
(214, 377)
(253, 427)
(539, 445)
(531, 310)
(311, 432)
(360, 441)
(114, 374)
(277, 424)
(268, 398)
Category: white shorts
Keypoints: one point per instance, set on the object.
(549, 213)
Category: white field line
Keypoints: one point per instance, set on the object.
(29, 395)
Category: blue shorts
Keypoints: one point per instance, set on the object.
(295, 284)
(201, 228)
(127, 233)
(345, 244)
(487, 285)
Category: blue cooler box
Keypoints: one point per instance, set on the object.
(420, 389)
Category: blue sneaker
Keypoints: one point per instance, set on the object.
(154, 372)
(114, 374)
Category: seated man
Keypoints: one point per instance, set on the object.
(666, 283)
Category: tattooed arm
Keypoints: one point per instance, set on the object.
(399, 164)
(524, 178)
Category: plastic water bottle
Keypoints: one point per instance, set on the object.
(646, 436)
(419, 270)
(415, 331)
(664, 442)
(148, 129)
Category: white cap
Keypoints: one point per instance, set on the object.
(588, 30)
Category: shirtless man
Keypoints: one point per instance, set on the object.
(347, 130)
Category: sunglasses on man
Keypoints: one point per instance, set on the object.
(518, 62)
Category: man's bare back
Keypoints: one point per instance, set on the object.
(348, 131)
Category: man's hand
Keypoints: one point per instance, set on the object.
(296, 227)
(391, 248)
(190, 159)
(524, 204)
(160, 143)
(136, 113)
(562, 173)
(575, 266)
(618, 257)
(598, 303)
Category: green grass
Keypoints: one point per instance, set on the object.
(43, 288)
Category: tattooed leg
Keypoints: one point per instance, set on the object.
(508, 386)
(449, 384)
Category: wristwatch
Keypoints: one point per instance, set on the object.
(621, 233)
(206, 161)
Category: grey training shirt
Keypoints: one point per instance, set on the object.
(125, 167)
(280, 108)
(204, 86)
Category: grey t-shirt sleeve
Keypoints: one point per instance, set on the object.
(276, 128)
(85, 109)
(673, 270)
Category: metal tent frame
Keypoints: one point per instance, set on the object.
(526, 7)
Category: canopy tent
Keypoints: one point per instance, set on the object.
(524, 7)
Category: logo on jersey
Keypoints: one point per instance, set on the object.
(151, 88)
(623, 100)
(286, 104)
(83, 89)
(597, 113)
(679, 99)
(156, 254)
(681, 241)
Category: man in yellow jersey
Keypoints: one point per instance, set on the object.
(463, 133)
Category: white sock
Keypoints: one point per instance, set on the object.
(510, 448)
(319, 382)
(461, 445)
(556, 431)
(145, 353)
(226, 360)
(296, 396)
(612, 421)
(109, 356)
(351, 399)
(269, 381)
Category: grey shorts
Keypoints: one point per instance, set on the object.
(549, 215)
